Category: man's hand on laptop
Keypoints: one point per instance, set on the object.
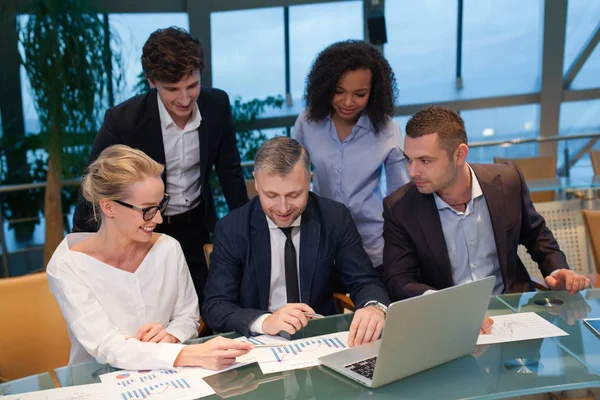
(486, 326)
(566, 279)
(289, 318)
(366, 326)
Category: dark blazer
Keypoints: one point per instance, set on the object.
(415, 256)
(239, 277)
(136, 123)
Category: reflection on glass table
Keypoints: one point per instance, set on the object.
(582, 343)
(31, 383)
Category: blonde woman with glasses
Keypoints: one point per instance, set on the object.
(125, 291)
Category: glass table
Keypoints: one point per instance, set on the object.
(31, 383)
(491, 372)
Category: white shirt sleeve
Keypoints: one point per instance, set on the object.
(256, 326)
(186, 313)
(92, 327)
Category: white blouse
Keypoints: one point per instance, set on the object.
(105, 306)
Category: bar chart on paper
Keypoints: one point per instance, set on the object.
(152, 390)
(157, 384)
(302, 352)
(131, 378)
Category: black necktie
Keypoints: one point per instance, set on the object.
(291, 271)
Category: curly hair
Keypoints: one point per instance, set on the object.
(171, 54)
(333, 62)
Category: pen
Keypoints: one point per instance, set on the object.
(259, 346)
(313, 316)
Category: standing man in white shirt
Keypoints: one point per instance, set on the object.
(274, 258)
(187, 128)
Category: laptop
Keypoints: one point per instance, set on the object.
(420, 333)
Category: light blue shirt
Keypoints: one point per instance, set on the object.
(350, 171)
(470, 239)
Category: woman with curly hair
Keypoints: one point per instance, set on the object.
(348, 130)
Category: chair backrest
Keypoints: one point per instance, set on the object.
(592, 223)
(252, 193)
(595, 157)
(208, 248)
(35, 337)
(565, 220)
(541, 167)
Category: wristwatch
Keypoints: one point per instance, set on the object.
(377, 305)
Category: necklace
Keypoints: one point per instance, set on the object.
(460, 204)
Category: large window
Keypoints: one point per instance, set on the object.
(502, 46)
(421, 48)
(582, 21)
(30, 114)
(502, 123)
(589, 75)
(133, 30)
(314, 27)
(248, 52)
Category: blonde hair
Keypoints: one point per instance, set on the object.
(113, 171)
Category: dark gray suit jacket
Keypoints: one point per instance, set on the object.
(415, 256)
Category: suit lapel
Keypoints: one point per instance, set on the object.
(203, 135)
(151, 139)
(260, 252)
(491, 186)
(431, 225)
(310, 235)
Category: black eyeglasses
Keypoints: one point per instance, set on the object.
(149, 212)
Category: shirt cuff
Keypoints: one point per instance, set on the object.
(256, 326)
(181, 332)
(377, 304)
(168, 354)
(554, 272)
(430, 291)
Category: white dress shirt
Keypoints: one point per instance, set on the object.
(105, 306)
(182, 155)
(278, 292)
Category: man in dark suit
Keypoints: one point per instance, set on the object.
(274, 258)
(458, 222)
(186, 128)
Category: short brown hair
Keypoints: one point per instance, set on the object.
(279, 155)
(171, 54)
(449, 126)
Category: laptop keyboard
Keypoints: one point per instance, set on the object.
(364, 367)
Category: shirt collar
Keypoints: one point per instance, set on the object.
(273, 225)
(475, 192)
(166, 120)
(363, 122)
